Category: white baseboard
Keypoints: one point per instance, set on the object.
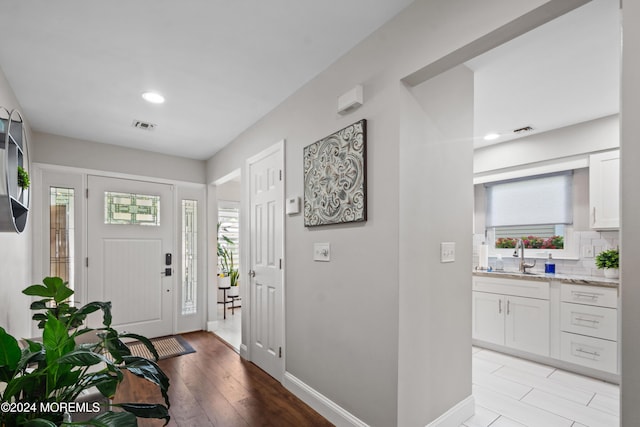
(321, 404)
(455, 416)
(212, 325)
(244, 351)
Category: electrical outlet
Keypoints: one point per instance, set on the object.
(587, 251)
(447, 252)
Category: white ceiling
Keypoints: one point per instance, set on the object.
(79, 67)
(562, 73)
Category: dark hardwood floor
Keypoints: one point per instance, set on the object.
(215, 387)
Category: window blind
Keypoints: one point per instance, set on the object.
(537, 200)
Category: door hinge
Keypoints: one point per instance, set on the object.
(280, 352)
(86, 193)
(280, 174)
(86, 262)
(280, 263)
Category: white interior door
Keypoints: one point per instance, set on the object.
(129, 236)
(266, 242)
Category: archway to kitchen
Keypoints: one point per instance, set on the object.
(515, 388)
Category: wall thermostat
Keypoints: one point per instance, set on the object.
(293, 205)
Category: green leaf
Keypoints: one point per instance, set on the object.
(39, 422)
(10, 352)
(112, 419)
(146, 410)
(63, 293)
(82, 358)
(39, 291)
(105, 383)
(40, 304)
(145, 368)
(144, 340)
(98, 305)
(68, 379)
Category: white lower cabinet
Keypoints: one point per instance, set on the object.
(517, 322)
(526, 315)
(589, 327)
(588, 351)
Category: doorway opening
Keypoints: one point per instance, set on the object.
(228, 255)
(543, 115)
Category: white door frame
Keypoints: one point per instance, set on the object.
(245, 350)
(184, 189)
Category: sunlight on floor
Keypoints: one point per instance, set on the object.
(230, 329)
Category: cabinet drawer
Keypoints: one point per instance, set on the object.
(590, 295)
(589, 320)
(591, 352)
(515, 287)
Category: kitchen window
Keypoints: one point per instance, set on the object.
(536, 209)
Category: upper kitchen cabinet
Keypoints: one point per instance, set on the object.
(604, 190)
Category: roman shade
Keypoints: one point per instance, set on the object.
(544, 199)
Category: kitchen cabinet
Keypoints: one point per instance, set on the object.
(589, 327)
(604, 190)
(505, 313)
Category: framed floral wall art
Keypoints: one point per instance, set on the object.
(335, 185)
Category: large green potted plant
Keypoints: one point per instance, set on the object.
(41, 381)
(609, 261)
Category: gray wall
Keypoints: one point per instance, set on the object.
(15, 255)
(64, 151)
(349, 333)
(436, 205)
(630, 199)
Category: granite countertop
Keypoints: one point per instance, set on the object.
(563, 278)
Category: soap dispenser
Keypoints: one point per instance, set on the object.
(549, 266)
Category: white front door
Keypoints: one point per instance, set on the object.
(266, 241)
(130, 229)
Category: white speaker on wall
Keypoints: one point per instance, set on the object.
(350, 100)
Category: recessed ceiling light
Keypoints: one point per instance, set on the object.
(491, 136)
(153, 97)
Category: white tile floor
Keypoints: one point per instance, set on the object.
(230, 329)
(512, 392)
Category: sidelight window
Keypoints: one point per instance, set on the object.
(189, 256)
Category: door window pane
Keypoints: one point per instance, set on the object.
(132, 209)
(189, 256)
(61, 233)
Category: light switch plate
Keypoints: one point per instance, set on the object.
(322, 252)
(447, 252)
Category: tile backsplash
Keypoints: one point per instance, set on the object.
(584, 266)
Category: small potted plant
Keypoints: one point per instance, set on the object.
(609, 262)
(23, 180)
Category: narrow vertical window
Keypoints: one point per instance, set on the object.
(61, 234)
(190, 256)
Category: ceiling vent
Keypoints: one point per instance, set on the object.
(523, 130)
(143, 125)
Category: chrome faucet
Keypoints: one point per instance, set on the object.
(523, 265)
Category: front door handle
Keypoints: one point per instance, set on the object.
(252, 273)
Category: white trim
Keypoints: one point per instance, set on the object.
(577, 162)
(322, 404)
(456, 415)
(111, 174)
